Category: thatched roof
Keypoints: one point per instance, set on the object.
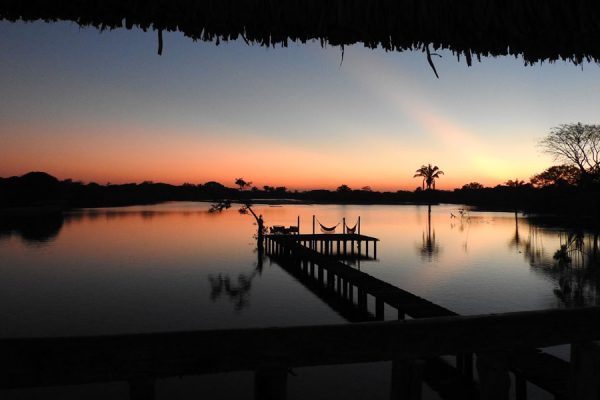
(537, 30)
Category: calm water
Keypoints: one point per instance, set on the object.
(174, 266)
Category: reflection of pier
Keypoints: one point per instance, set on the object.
(309, 259)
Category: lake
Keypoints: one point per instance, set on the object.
(175, 266)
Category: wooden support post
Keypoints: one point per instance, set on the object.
(298, 226)
(375, 249)
(362, 299)
(401, 314)
(339, 284)
(345, 289)
(270, 384)
(330, 279)
(359, 248)
(379, 309)
(338, 247)
(344, 225)
(141, 388)
(407, 379)
(320, 274)
(468, 365)
(520, 387)
(352, 246)
(312, 269)
(585, 371)
(359, 224)
(313, 224)
(345, 249)
(494, 382)
(367, 248)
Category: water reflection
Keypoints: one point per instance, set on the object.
(429, 249)
(574, 266)
(515, 240)
(239, 292)
(155, 262)
(32, 230)
(461, 220)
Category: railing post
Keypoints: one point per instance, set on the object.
(520, 387)
(585, 371)
(401, 313)
(379, 309)
(464, 364)
(141, 388)
(270, 384)
(407, 379)
(362, 299)
(494, 381)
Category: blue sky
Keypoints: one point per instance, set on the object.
(104, 106)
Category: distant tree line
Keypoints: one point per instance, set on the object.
(571, 188)
(556, 189)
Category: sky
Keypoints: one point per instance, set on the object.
(103, 106)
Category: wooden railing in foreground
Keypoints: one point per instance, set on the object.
(142, 358)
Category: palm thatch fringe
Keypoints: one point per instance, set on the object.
(536, 30)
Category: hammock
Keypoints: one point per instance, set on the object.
(327, 229)
(353, 229)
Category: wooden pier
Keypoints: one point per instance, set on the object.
(309, 257)
(447, 380)
(335, 244)
(313, 253)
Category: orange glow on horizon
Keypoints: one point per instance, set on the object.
(125, 153)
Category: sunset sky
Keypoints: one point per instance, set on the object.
(104, 107)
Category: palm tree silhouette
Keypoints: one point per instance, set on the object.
(429, 175)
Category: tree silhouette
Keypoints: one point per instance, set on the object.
(429, 175)
(246, 209)
(556, 175)
(472, 186)
(578, 145)
(515, 184)
(242, 183)
(343, 189)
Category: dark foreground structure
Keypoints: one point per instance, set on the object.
(535, 30)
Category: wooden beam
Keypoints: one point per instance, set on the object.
(76, 360)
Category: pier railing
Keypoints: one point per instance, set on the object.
(271, 352)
